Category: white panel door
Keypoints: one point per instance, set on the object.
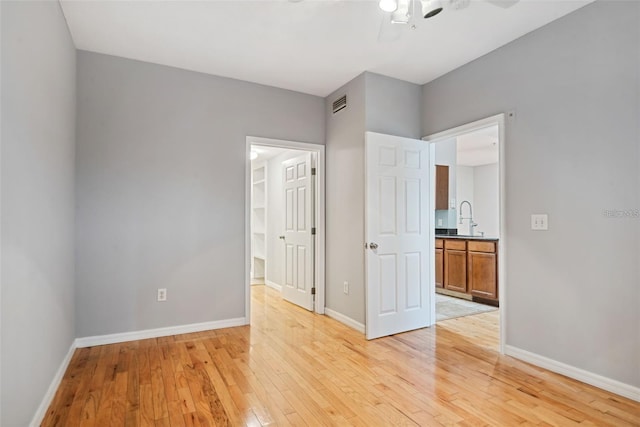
(298, 240)
(399, 241)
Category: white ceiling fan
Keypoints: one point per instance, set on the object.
(402, 11)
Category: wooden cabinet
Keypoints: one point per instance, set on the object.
(455, 266)
(442, 187)
(468, 266)
(482, 266)
(439, 263)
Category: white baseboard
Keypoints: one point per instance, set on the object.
(273, 285)
(159, 332)
(344, 319)
(596, 380)
(53, 388)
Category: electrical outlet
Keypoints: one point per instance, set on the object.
(539, 222)
(346, 287)
(439, 222)
(162, 294)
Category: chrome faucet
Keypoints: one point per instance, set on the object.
(472, 224)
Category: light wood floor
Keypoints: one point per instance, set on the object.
(296, 368)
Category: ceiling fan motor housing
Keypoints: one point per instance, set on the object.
(431, 8)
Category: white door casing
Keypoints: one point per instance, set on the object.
(398, 221)
(298, 238)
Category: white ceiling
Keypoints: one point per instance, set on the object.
(478, 148)
(311, 46)
(266, 152)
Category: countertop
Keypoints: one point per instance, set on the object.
(460, 237)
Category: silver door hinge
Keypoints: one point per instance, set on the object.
(313, 231)
(313, 171)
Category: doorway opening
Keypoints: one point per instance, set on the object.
(284, 221)
(469, 262)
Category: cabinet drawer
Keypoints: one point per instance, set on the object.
(459, 245)
(477, 246)
(439, 243)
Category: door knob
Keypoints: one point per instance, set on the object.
(373, 245)
(281, 237)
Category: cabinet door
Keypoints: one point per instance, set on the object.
(442, 187)
(439, 268)
(455, 270)
(482, 275)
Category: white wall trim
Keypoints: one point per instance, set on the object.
(53, 387)
(587, 377)
(320, 203)
(273, 285)
(500, 121)
(159, 332)
(344, 319)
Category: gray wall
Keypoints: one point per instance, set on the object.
(161, 189)
(345, 201)
(38, 141)
(486, 193)
(375, 103)
(572, 151)
(393, 106)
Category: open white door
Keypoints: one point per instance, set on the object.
(399, 241)
(298, 238)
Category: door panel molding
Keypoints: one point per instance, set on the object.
(398, 215)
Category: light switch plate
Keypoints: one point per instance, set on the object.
(539, 222)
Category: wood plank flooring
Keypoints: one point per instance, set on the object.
(292, 367)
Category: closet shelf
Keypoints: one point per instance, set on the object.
(258, 220)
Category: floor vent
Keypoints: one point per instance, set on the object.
(339, 104)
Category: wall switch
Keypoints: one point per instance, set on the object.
(346, 287)
(452, 204)
(539, 222)
(439, 222)
(162, 294)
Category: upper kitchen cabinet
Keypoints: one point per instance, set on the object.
(445, 184)
(442, 187)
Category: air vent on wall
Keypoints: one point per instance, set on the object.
(339, 104)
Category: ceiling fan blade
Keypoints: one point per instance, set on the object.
(503, 3)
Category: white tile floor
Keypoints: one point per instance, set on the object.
(449, 307)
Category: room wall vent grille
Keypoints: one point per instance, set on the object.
(339, 104)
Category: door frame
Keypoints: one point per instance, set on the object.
(500, 120)
(319, 202)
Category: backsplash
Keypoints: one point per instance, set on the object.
(446, 232)
(446, 218)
